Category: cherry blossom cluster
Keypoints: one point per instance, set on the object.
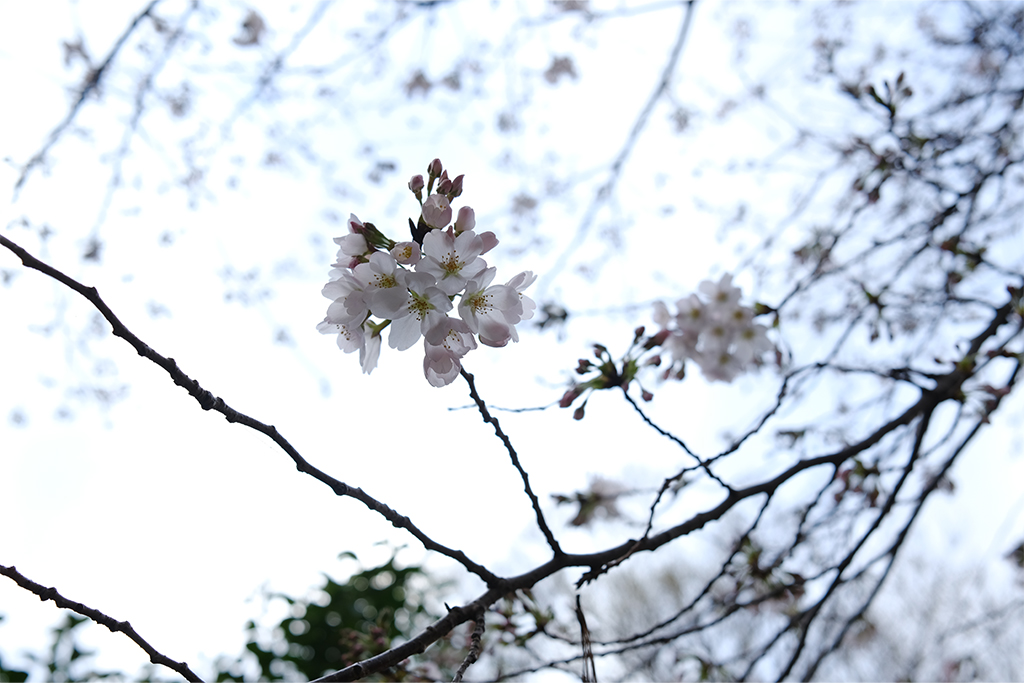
(716, 332)
(711, 328)
(411, 286)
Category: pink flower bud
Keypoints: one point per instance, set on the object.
(466, 220)
(578, 414)
(416, 184)
(434, 169)
(646, 395)
(568, 397)
(657, 340)
(445, 186)
(457, 187)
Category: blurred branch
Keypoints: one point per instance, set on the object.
(91, 83)
(605, 192)
(132, 127)
(275, 66)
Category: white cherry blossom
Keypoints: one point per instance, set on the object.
(437, 212)
(425, 307)
(383, 282)
(484, 309)
(444, 346)
(348, 301)
(406, 253)
(452, 259)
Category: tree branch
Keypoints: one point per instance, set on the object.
(124, 627)
(208, 401)
(482, 407)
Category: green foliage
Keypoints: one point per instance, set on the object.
(343, 624)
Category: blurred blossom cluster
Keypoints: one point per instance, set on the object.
(711, 328)
(411, 286)
(716, 332)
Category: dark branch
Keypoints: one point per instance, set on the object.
(114, 625)
(482, 407)
(208, 401)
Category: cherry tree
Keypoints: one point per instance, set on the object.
(722, 418)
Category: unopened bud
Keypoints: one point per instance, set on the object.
(416, 184)
(434, 169)
(445, 186)
(657, 340)
(578, 414)
(568, 397)
(466, 220)
(457, 186)
(646, 395)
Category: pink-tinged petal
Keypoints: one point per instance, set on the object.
(354, 224)
(661, 314)
(404, 333)
(441, 369)
(495, 333)
(488, 241)
(452, 334)
(352, 245)
(522, 280)
(390, 303)
(370, 352)
(350, 337)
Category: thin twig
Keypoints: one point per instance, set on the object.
(534, 501)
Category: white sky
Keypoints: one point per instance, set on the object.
(155, 512)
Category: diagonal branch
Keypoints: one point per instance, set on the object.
(114, 625)
(208, 401)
